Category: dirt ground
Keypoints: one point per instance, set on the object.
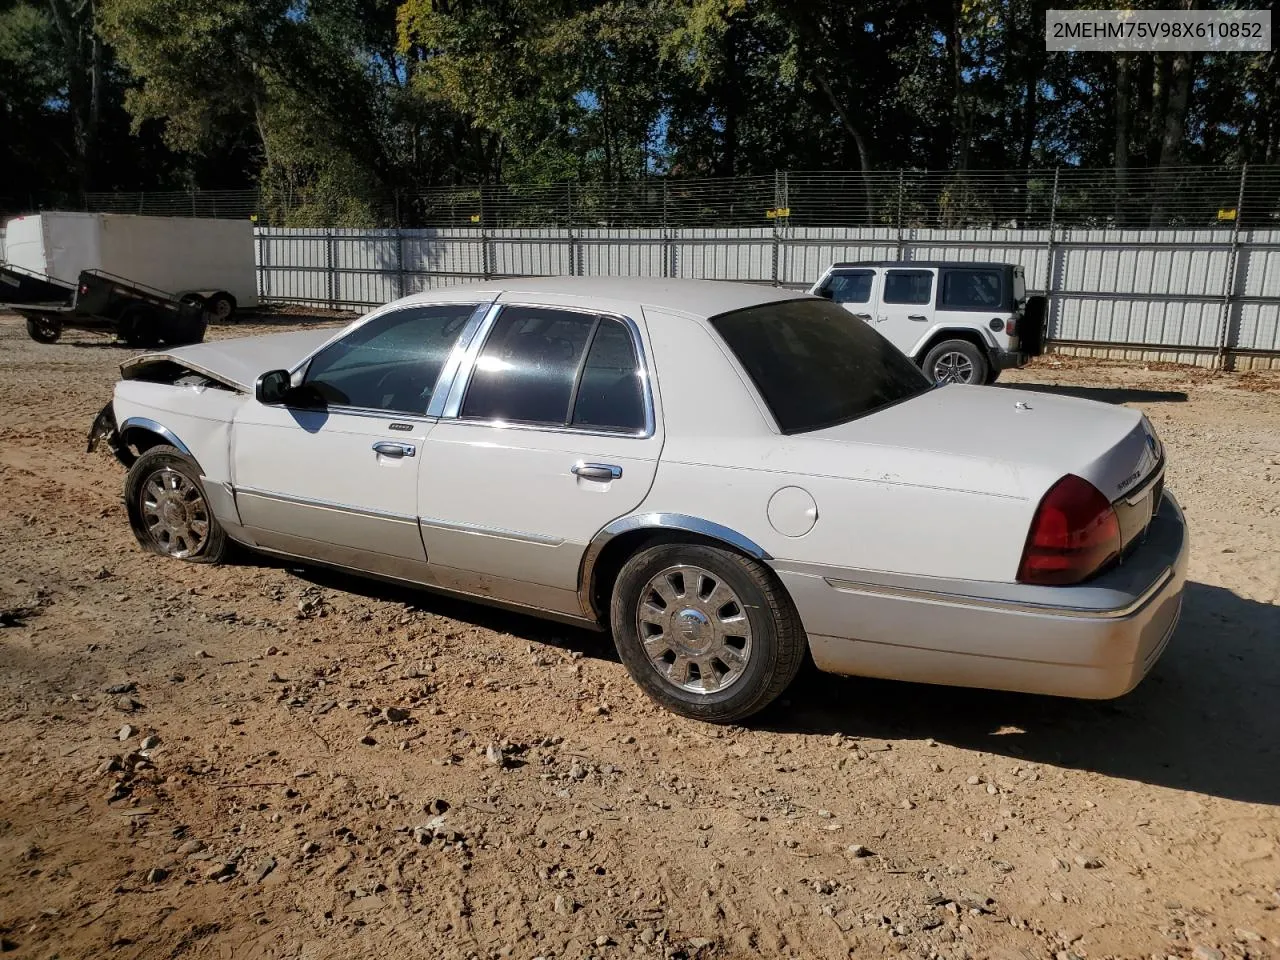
(263, 761)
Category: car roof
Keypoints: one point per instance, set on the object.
(702, 298)
(919, 263)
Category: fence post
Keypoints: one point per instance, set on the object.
(898, 218)
(1229, 280)
(1048, 253)
(399, 261)
(331, 269)
(484, 238)
(259, 262)
(777, 203)
(668, 249)
(573, 245)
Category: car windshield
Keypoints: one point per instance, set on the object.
(816, 365)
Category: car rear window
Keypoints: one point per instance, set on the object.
(815, 365)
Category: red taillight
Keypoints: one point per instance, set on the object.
(1074, 533)
(1011, 328)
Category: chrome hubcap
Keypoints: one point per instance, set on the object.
(953, 368)
(694, 629)
(175, 514)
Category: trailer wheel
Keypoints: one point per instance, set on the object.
(137, 326)
(221, 307)
(44, 328)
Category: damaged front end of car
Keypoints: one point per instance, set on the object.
(105, 430)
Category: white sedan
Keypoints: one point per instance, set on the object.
(728, 477)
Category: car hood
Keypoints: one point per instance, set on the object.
(1041, 436)
(237, 363)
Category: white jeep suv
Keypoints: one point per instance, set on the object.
(961, 322)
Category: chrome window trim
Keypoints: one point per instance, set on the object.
(1001, 605)
(325, 505)
(468, 329)
(146, 423)
(480, 530)
(462, 381)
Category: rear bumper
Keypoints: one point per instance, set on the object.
(1095, 641)
(1008, 360)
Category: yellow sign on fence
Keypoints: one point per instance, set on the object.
(778, 212)
(1226, 214)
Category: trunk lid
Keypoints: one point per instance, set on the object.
(1043, 435)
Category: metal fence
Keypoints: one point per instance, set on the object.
(1207, 296)
(1183, 197)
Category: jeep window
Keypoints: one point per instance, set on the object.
(851, 287)
(971, 290)
(814, 366)
(908, 286)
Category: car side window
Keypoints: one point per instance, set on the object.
(391, 363)
(908, 286)
(529, 366)
(559, 368)
(850, 287)
(610, 394)
(971, 289)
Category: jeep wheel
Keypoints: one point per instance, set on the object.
(956, 361)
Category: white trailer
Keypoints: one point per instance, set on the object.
(182, 256)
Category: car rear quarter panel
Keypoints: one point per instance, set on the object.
(200, 417)
(879, 508)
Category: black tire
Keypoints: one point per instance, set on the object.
(774, 648)
(169, 510)
(44, 328)
(185, 330)
(221, 307)
(956, 361)
(138, 326)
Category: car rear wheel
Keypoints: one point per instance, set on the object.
(956, 361)
(168, 509)
(705, 632)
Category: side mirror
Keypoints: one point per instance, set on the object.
(825, 293)
(273, 386)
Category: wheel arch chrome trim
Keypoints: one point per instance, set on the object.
(656, 522)
(145, 423)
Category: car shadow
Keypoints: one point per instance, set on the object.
(1205, 719)
(1102, 394)
(563, 636)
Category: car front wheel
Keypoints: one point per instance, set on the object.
(705, 632)
(168, 509)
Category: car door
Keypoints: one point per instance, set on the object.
(331, 474)
(549, 434)
(906, 309)
(854, 290)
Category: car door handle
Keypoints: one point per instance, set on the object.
(864, 317)
(920, 317)
(387, 448)
(596, 471)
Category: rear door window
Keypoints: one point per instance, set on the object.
(971, 290)
(908, 286)
(558, 368)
